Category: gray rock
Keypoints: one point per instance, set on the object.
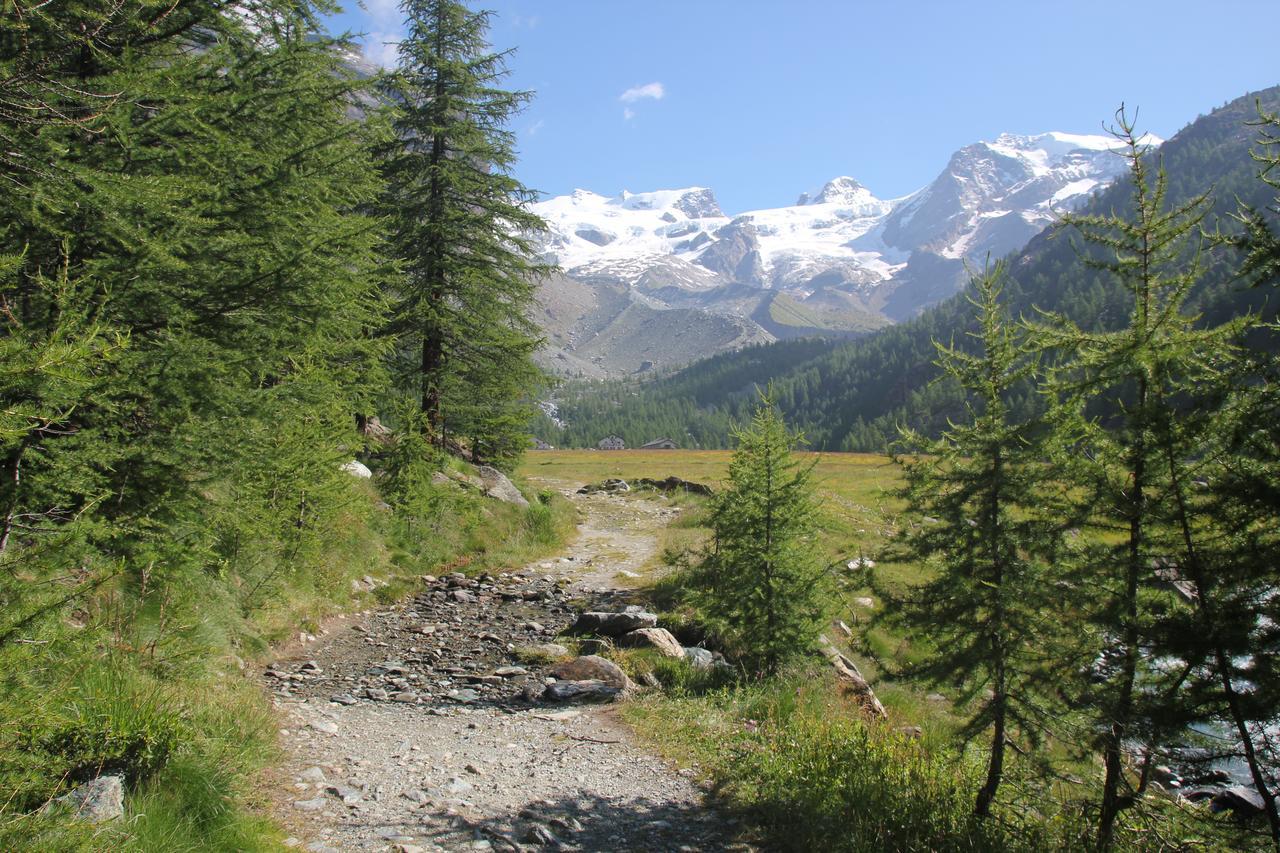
(496, 485)
(615, 624)
(699, 658)
(540, 835)
(343, 699)
(1241, 799)
(580, 691)
(465, 695)
(658, 638)
(326, 726)
(97, 801)
(592, 668)
(346, 793)
(312, 774)
(312, 805)
(458, 785)
(550, 650)
(377, 694)
(510, 671)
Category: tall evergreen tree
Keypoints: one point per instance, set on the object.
(1131, 469)
(992, 539)
(460, 225)
(762, 585)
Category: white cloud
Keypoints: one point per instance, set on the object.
(628, 114)
(648, 90)
(526, 22)
(534, 128)
(382, 49)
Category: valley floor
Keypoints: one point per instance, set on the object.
(448, 756)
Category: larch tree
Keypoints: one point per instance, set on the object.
(1136, 407)
(461, 229)
(982, 499)
(762, 584)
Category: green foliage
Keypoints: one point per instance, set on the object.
(462, 231)
(761, 585)
(984, 514)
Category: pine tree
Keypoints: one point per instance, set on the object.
(991, 538)
(762, 585)
(460, 226)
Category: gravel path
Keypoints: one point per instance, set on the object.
(407, 730)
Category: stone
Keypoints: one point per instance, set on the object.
(1240, 799)
(462, 596)
(326, 726)
(346, 793)
(457, 785)
(699, 658)
(497, 485)
(357, 469)
(615, 624)
(377, 694)
(615, 485)
(592, 668)
(510, 671)
(464, 695)
(867, 603)
(312, 805)
(546, 650)
(343, 699)
(312, 774)
(658, 638)
(98, 800)
(580, 691)
(540, 835)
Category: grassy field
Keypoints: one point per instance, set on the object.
(856, 488)
(860, 515)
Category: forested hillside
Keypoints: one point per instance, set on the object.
(855, 395)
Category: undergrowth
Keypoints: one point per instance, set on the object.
(149, 674)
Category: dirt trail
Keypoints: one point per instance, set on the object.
(446, 755)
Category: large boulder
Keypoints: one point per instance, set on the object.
(658, 638)
(592, 668)
(615, 624)
(497, 485)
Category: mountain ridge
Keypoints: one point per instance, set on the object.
(865, 261)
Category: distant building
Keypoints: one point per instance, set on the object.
(612, 442)
(539, 444)
(659, 444)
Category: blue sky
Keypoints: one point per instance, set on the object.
(764, 100)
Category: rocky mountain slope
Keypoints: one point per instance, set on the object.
(838, 262)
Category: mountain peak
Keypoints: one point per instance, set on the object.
(841, 190)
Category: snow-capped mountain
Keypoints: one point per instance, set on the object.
(840, 260)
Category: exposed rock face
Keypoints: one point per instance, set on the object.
(497, 485)
(736, 253)
(658, 638)
(699, 204)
